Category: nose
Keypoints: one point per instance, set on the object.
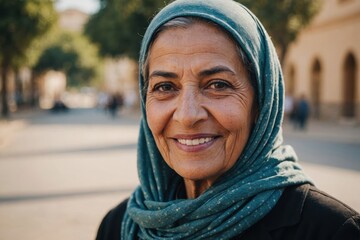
(189, 107)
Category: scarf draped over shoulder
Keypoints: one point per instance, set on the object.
(252, 187)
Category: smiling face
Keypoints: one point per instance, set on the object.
(199, 103)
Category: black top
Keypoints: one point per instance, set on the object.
(302, 213)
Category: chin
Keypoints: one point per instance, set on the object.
(197, 174)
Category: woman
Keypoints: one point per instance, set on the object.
(210, 157)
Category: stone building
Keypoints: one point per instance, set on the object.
(323, 63)
(73, 19)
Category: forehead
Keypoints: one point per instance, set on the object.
(196, 38)
(190, 34)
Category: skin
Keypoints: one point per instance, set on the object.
(199, 93)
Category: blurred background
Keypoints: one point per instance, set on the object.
(70, 106)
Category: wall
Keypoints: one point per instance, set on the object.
(332, 35)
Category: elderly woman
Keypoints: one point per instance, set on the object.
(210, 157)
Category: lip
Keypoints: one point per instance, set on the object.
(206, 140)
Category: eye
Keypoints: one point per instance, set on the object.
(164, 87)
(219, 85)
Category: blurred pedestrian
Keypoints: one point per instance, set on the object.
(116, 101)
(302, 113)
(113, 105)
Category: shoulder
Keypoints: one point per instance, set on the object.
(110, 226)
(310, 213)
(324, 203)
(325, 213)
(305, 213)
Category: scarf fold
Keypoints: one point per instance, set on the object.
(251, 188)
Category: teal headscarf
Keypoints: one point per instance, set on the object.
(249, 190)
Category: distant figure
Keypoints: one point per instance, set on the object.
(115, 102)
(302, 113)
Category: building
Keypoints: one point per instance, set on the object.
(73, 19)
(323, 63)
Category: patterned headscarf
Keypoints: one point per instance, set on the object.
(251, 188)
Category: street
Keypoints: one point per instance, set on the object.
(329, 154)
(60, 173)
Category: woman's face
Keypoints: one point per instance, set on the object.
(199, 102)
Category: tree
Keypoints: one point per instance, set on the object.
(283, 19)
(120, 24)
(21, 22)
(73, 54)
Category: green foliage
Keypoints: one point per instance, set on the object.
(56, 58)
(39, 45)
(22, 21)
(120, 24)
(73, 54)
(283, 19)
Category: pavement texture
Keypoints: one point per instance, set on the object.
(61, 173)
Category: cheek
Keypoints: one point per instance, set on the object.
(158, 115)
(237, 120)
(238, 124)
(233, 116)
(152, 120)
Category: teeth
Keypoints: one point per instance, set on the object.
(194, 142)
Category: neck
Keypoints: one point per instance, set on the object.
(196, 188)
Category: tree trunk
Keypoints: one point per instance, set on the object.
(19, 96)
(34, 96)
(4, 89)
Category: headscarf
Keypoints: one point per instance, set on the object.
(251, 188)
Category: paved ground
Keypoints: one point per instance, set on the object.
(60, 173)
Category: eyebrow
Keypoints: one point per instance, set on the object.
(204, 73)
(163, 74)
(215, 70)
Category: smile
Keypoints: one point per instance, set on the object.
(195, 142)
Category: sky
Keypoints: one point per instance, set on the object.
(88, 6)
